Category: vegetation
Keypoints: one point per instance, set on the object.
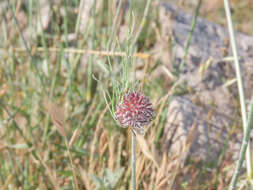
(62, 74)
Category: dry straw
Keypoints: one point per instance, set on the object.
(57, 116)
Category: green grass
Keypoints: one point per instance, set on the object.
(32, 80)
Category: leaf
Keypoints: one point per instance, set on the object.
(97, 181)
(111, 178)
(81, 151)
(18, 146)
(57, 116)
(67, 173)
(109, 181)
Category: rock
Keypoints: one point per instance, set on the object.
(208, 136)
(209, 39)
(205, 130)
(209, 46)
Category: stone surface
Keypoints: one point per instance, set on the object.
(209, 133)
(206, 71)
(209, 47)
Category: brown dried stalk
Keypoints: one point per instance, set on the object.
(57, 116)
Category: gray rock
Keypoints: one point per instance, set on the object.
(208, 119)
(205, 130)
(209, 42)
(208, 136)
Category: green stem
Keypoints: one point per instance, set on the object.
(114, 26)
(189, 38)
(27, 46)
(243, 148)
(143, 22)
(71, 163)
(239, 84)
(19, 29)
(133, 161)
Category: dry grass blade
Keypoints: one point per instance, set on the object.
(103, 143)
(72, 165)
(3, 90)
(152, 179)
(57, 116)
(127, 176)
(2, 147)
(162, 170)
(51, 177)
(73, 138)
(7, 182)
(76, 132)
(189, 141)
(145, 72)
(140, 167)
(119, 150)
(95, 140)
(81, 51)
(145, 149)
(243, 185)
(85, 179)
(112, 159)
(163, 182)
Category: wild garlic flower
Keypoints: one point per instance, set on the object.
(134, 111)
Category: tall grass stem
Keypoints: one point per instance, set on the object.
(239, 84)
(114, 26)
(27, 46)
(133, 161)
(19, 29)
(244, 146)
(71, 163)
(143, 21)
(189, 38)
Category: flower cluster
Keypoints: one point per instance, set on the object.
(135, 111)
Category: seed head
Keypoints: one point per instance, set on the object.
(135, 111)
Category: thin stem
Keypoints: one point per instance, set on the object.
(80, 51)
(93, 44)
(109, 43)
(143, 21)
(27, 47)
(19, 29)
(244, 146)
(189, 38)
(133, 161)
(81, 9)
(239, 84)
(72, 163)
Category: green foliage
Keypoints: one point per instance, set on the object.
(52, 65)
(110, 179)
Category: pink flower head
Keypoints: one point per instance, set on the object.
(135, 111)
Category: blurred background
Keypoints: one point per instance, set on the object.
(63, 64)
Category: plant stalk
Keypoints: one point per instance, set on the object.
(189, 37)
(71, 163)
(239, 84)
(133, 161)
(244, 146)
